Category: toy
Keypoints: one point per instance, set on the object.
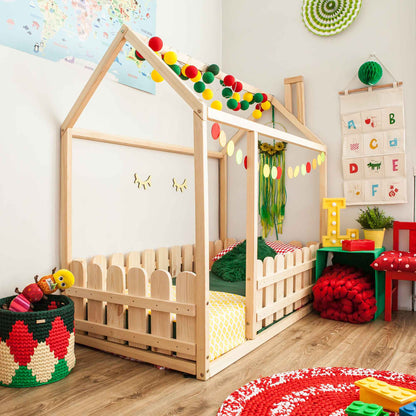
(358, 408)
(358, 245)
(384, 394)
(23, 301)
(408, 410)
(62, 279)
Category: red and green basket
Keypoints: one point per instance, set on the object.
(37, 347)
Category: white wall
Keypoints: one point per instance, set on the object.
(110, 214)
(266, 41)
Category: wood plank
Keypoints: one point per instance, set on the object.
(202, 249)
(133, 260)
(185, 325)
(268, 299)
(373, 87)
(129, 335)
(102, 262)
(95, 136)
(218, 246)
(293, 80)
(149, 261)
(259, 297)
(168, 75)
(137, 301)
(137, 317)
(79, 270)
(307, 274)
(116, 259)
(279, 266)
(116, 313)
(96, 311)
(65, 208)
(298, 277)
(187, 258)
(175, 260)
(261, 129)
(300, 99)
(223, 177)
(162, 258)
(211, 253)
(288, 98)
(96, 78)
(161, 288)
(251, 230)
(289, 263)
(145, 356)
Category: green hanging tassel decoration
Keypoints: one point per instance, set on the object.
(272, 191)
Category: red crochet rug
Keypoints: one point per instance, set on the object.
(309, 392)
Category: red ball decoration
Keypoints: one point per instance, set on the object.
(191, 71)
(229, 80)
(156, 43)
(308, 167)
(258, 107)
(215, 131)
(237, 86)
(264, 97)
(238, 107)
(245, 162)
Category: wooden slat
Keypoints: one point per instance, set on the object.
(218, 246)
(300, 98)
(373, 87)
(102, 262)
(185, 325)
(137, 301)
(306, 275)
(116, 259)
(137, 317)
(161, 322)
(279, 265)
(187, 258)
(251, 230)
(288, 97)
(175, 260)
(162, 258)
(149, 261)
(229, 242)
(116, 314)
(293, 80)
(133, 260)
(79, 270)
(223, 177)
(96, 78)
(268, 299)
(95, 136)
(202, 249)
(289, 263)
(96, 310)
(235, 121)
(65, 220)
(211, 253)
(259, 297)
(298, 278)
(174, 363)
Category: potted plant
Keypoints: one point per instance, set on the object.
(374, 222)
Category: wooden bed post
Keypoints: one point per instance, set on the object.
(251, 231)
(223, 197)
(65, 208)
(202, 244)
(323, 193)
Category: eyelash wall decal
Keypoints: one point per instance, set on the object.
(147, 183)
(179, 187)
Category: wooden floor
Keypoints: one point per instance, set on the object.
(103, 384)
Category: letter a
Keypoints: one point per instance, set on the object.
(353, 168)
(351, 124)
(392, 120)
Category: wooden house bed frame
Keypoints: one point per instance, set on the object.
(277, 290)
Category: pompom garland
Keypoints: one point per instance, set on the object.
(227, 92)
(244, 105)
(258, 97)
(237, 86)
(236, 96)
(214, 68)
(197, 78)
(191, 71)
(248, 96)
(232, 103)
(155, 43)
(170, 58)
(217, 105)
(229, 80)
(199, 87)
(208, 94)
(257, 114)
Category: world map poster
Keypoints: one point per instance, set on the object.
(78, 32)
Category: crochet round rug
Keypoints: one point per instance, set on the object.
(308, 392)
(329, 17)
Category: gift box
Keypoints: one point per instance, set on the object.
(358, 245)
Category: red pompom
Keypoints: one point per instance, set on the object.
(156, 43)
(258, 107)
(238, 107)
(237, 86)
(229, 80)
(264, 97)
(191, 71)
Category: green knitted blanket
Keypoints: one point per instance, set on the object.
(232, 266)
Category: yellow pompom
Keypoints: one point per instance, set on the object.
(156, 77)
(248, 97)
(266, 105)
(208, 94)
(158, 54)
(197, 78)
(183, 70)
(217, 105)
(170, 58)
(236, 96)
(257, 114)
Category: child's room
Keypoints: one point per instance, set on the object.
(208, 207)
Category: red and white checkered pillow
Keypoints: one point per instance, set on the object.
(277, 246)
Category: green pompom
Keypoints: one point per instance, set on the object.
(199, 86)
(214, 68)
(370, 73)
(244, 105)
(232, 104)
(175, 68)
(183, 77)
(258, 97)
(221, 82)
(227, 92)
(208, 77)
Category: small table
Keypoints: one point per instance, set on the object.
(360, 259)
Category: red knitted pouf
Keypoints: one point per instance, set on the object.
(345, 293)
(309, 392)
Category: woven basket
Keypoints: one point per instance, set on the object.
(37, 347)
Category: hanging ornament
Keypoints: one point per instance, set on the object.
(199, 87)
(170, 58)
(155, 43)
(266, 105)
(329, 17)
(239, 156)
(245, 162)
(258, 97)
(257, 114)
(314, 164)
(230, 148)
(208, 77)
(296, 171)
(370, 73)
(319, 159)
(191, 71)
(156, 77)
(290, 172)
(308, 167)
(215, 131)
(208, 94)
(229, 80)
(236, 96)
(214, 68)
(217, 105)
(303, 169)
(223, 138)
(227, 92)
(232, 104)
